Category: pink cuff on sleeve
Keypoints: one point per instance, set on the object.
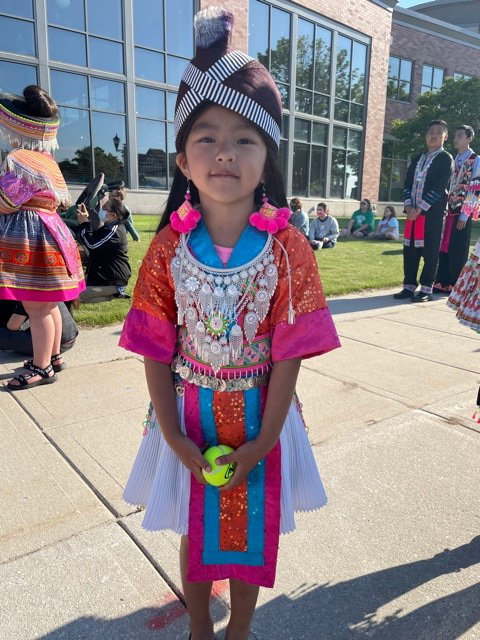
(312, 335)
(148, 336)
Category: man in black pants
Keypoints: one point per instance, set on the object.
(425, 198)
(455, 244)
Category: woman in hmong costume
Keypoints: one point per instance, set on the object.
(39, 261)
(226, 305)
(465, 296)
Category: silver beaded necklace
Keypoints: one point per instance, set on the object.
(210, 300)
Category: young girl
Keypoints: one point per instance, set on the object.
(39, 261)
(387, 228)
(227, 303)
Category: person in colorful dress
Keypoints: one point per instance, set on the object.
(39, 261)
(455, 244)
(227, 303)
(425, 199)
(465, 295)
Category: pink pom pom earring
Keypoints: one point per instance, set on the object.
(185, 218)
(269, 218)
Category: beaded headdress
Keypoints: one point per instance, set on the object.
(21, 129)
(226, 78)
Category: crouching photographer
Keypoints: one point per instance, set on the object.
(108, 268)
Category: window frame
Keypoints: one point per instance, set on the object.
(398, 80)
(91, 110)
(336, 29)
(32, 21)
(431, 87)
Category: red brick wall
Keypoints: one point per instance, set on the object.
(424, 48)
(369, 19)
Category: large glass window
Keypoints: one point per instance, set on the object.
(313, 69)
(156, 29)
(432, 78)
(346, 156)
(269, 41)
(399, 85)
(461, 76)
(92, 136)
(155, 137)
(350, 80)
(309, 158)
(15, 77)
(323, 159)
(393, 172)
(18, 8)
(17, 36)
(72, 40)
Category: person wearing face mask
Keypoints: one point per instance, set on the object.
(323, 232)
(108, 269)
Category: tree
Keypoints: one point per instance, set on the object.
(457, 102)
(81, 164)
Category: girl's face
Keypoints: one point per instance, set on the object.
(224, 157)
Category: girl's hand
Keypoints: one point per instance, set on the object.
(191, 456)
(245, 457)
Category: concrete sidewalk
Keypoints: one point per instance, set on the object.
(395, 555)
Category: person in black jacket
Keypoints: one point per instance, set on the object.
(425, 198)
(108, 269)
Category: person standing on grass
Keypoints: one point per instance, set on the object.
(425, 199)
(225, 298)
(387, 228)
(455, 243)
(323, 231)
(298, 217)
(361, 223)
(39, 261)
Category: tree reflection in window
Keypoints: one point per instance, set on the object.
(269, 42)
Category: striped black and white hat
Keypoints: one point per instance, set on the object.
(230, 79)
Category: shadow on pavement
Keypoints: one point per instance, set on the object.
(347, 610)
(342, 611)
(339, 306)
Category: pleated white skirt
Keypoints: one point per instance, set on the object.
(161, 483)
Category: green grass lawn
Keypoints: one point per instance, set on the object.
(354, 265)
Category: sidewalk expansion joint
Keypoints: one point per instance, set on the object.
(447, 333)
(451, 421)
(118, 517)
(409, 355)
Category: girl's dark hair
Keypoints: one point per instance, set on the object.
(393, 213)
(39, 102)
(274, 186)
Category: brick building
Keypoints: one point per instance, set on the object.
(114, 68)
(424, 51)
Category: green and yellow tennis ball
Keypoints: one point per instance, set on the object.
(220, 473)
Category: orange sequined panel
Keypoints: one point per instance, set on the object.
(307, 292)
(229, 411)
(154, 290)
